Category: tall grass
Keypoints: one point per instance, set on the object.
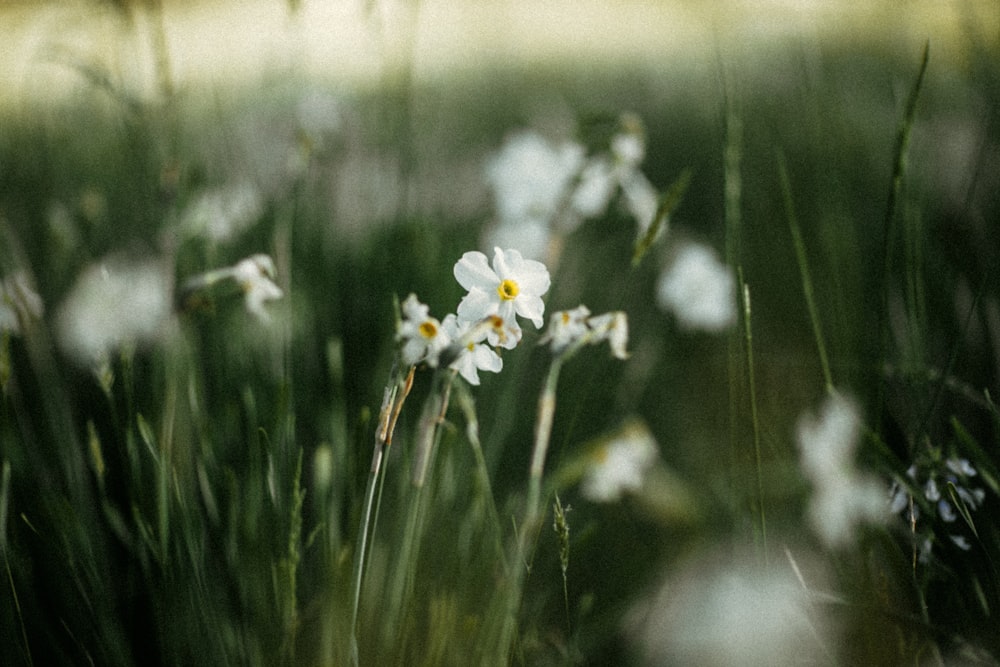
(283, 491)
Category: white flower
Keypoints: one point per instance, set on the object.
(474, 356)
(566, 327)
(19, 303)
(530, 177)
(512, 287)
(254, 276)
(114, 304)
(842, 497)
(619, 465)
(698, 289)
(422, 336)
(612, 327)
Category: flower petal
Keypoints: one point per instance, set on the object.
(476, 305)
(473, 271)
(531, 307)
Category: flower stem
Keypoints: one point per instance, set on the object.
(532, 511)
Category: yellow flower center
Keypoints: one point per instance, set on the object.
(427, 329)
(508, 290)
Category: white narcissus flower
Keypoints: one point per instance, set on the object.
(474, 356)
(255, 277)
(619, 465)
(512, 287)
(698, 289)
(422, 336)
(566, 327)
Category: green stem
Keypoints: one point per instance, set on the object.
(532, 510)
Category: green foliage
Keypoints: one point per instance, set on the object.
(205, 497)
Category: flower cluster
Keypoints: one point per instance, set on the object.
(486, 318)
(541, 188)
(843, 496)
(569, 329)
(936, 485)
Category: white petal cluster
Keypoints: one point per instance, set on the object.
(619, 465)
(569, 328)
(541, 187)
(255, 276)
(114, 303)
(511, 288)
(422, 336)
(698, 289)
(842, 496)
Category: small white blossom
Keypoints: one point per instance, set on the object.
(474, 355)
(842, 496)
(255, 277)
(422, 336)
(566, 327)
(619, 465)
(512, 287)
(113, 304)
(698, 289)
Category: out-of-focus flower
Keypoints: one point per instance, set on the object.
(530, 177)
(114, 303)
(255, 276)
(19, 303)
(474, 355)
(619, 465)
(422, 336)
(730, 612)
(221, 214)
(512, 287)
(698, 289)
(842, 497)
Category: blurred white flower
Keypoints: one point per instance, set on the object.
(422, 336)
(698, 289)
(723, 611)
(597, 184)
(842, 496)
(512, 287)
(474, 356)
(255, 276)
(222, 213)
(619, 465)
(114, 303)
(530, 177)
(19, 303)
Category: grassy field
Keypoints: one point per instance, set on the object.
(227, 437)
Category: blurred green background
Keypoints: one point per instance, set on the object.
(361, 130)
